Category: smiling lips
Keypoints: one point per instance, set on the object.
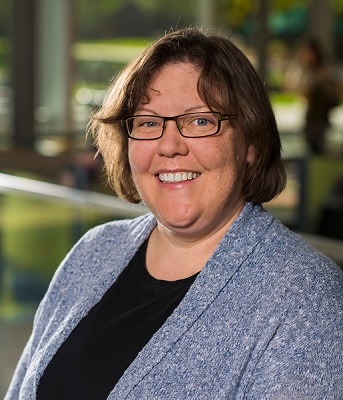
(177, 177)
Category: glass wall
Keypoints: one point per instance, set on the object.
(110, 34)
(39, 223)
(79, 46)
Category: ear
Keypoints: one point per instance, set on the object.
(250, 154)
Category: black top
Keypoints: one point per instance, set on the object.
(96, 354)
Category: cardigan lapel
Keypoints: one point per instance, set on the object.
(230, 255)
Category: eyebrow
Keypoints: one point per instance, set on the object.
(190, 109)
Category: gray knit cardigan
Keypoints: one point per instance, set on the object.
(263, 320)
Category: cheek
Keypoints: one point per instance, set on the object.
(225, 155)
(139, 157)
(232, 160)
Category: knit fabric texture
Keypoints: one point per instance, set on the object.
(263, 319)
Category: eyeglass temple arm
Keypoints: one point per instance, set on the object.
(224, 117)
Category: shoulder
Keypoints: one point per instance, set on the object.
(275, 242)
(281, 263)
(118, 232)
(97, 259)
(109, 241)
(115, 231)
(300, 278)
(292, 252)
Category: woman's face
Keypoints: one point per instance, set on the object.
(212, 197)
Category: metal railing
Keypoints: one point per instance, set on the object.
(73, 197)
(29, 225)
(112, 205)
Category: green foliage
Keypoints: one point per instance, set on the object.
(5, 9)
(90, 12)
(286, 5)
(337, 6)
(230, 13)
(236, 12)
(175, 8)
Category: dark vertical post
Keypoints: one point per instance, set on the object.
(321, 24)
(23, 23)
(262, 37)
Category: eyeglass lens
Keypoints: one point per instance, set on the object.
(190, 125)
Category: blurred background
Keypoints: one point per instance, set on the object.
(57, 58)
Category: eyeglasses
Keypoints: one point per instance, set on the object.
(192, 125)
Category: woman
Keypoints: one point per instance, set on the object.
(206, 297)
(314, 79)
(319, 88)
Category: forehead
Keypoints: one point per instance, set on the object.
(184, 74)
(176, 82)
(178, 74)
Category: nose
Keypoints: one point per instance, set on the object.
(172, 143)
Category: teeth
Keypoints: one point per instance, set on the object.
(178, 177)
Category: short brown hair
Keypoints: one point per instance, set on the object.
(224, 70)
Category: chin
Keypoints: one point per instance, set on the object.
(176, 222)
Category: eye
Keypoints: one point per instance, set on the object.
(201, 121)
(148, 122)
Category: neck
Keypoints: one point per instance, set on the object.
(172, 257)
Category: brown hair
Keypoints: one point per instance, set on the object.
(224, 70)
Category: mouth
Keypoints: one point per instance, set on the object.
(177, 177)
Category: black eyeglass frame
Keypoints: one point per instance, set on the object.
(221, 117)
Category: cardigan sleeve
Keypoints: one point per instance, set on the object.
(19, 374)
(41, 319)
(313, 372)
(303, 360)
(85, 266)
(13, 392)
